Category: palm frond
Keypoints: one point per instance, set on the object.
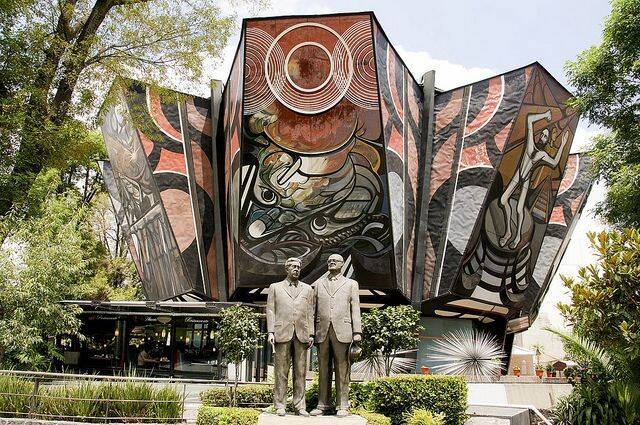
(584, 348)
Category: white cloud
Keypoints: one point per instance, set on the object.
(448, 74)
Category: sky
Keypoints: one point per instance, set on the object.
(468, 40)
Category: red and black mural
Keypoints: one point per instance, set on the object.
(313, 173)
(461, 201)
(172, 135)
(401, 107)
(501, 150)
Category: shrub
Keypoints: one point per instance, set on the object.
(588, 405)
(360, 394)
(372, 418)
(246, 396)
(424, 417)
(396, 396)
(208, 415)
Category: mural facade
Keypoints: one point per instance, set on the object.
(313, 173)
(461, 201)
(170, 141)
(500, 152)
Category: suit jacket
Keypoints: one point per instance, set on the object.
(289, 313)
(337, 304)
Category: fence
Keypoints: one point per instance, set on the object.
(93, 398)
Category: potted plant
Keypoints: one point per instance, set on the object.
(550, 370)
(539, 371)
(516, 370)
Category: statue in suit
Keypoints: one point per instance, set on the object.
(337, 326)
(290, 312)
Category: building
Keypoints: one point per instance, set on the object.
(321, 141)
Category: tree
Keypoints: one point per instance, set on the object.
(387, 331)
(58, 57)
(606, 78)
(605, 298)
(237, 338)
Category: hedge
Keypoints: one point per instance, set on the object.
(208, 415)
(371, 417)
(246, 396)
(396, 396)
(424, 417)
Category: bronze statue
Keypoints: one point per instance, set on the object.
(337, 326)
(290, 312)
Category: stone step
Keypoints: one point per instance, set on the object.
(273, 419)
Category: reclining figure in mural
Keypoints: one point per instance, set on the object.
(533, 157)
(290, 313)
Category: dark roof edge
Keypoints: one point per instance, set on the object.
(534, 63)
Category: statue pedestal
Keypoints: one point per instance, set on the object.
(273, 419)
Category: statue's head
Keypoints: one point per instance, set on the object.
(335, 262)
(292, 267)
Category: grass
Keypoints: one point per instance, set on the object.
(91, 401)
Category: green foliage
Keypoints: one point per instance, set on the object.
(607, 86)
(605, 298)
(607, 393)
(246, 396)
(238, 337)
(588, 405)
(16, 395)
(50, 257)
(91, 400)
(59, 58)
(227, 416)
(424, 417)
(360, 394)
(371, 417)
(389, 330)
(396, 396)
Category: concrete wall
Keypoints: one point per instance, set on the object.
(541, 396)
(435, 328)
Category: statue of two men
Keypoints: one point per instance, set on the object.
(291, 308)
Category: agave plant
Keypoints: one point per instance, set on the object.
(374, 365)
(470, 353)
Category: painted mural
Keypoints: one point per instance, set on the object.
(175, 135)
(500, 152)
(160, 265)
(313, 154)
(232, 130)
(401, 106)
(325, 147)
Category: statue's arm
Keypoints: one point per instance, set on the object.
(271, 309)
(356, 321)
(312, 311)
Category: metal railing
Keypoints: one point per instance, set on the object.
(93, 398)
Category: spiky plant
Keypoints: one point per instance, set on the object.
(471, 353)
(374, 365)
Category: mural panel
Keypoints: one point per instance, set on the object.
(401, 106)
(313, 155)
(160, 264)
(181, 171)
(232, 132)
(498, 180)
